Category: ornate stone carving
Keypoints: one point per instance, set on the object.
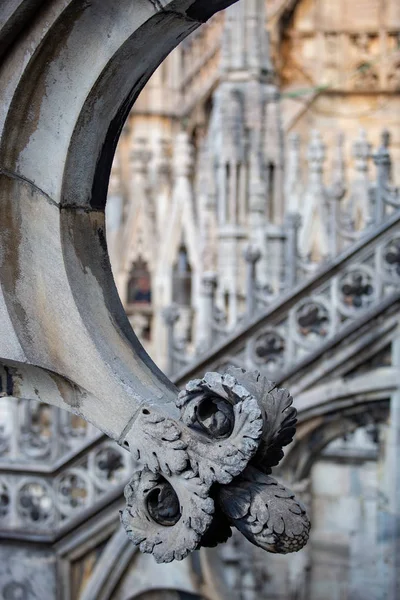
(356, 287)
(393, 77)
(73, 491)
(180, 499)
(391, 256)
(266, 512)
(4, 500)
(167, 516)
(35, 503)
(35, 438)
(221, 409)
(312, 318)
(269, 349)
(110, 465)
(4, 439)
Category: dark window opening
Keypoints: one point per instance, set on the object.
(182, 279)
(139, 284)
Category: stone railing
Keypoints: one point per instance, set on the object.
(349, 215)
(36, 435)
(40, 501)
(294, 327)
(301, 320)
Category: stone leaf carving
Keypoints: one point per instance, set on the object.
(156, 441)
(279, 417)
(210, 469)
(266, 512)
(229, 423)
(167, 517)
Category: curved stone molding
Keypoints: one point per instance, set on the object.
(66, 340)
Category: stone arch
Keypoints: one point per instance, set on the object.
(73, 72)
(347, 408)
(334, 425)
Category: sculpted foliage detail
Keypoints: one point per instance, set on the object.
(210, 470)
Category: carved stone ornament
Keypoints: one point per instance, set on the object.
(269, 350)
(392, 257)
(65, 337)
(266, 512)
(312, 320)
(356, 288)
(210, 470)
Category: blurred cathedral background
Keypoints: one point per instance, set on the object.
(253, 219)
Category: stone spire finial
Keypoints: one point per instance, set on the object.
(382, 156)
(361, 152)
(161, 157)
(338, 168)
(314, 234)
(316, 153)
(293, 178)
(360, 208)
(251, 254)
(245, 45)
(335, 194)
(140, 156)
(383, 165)
(183, 155)
(209, 283)
(170, 314)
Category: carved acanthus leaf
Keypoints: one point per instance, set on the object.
(229, 425)
(157, 443)
(266, 512)
(167, 517)
(280, 417)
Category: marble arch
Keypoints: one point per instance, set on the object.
(71, 70)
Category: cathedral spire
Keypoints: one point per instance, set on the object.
(245, 46)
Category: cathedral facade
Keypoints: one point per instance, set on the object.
(253, 220)
(243, 138)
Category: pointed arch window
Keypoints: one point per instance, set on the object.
(182, 279)
(139, 284)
